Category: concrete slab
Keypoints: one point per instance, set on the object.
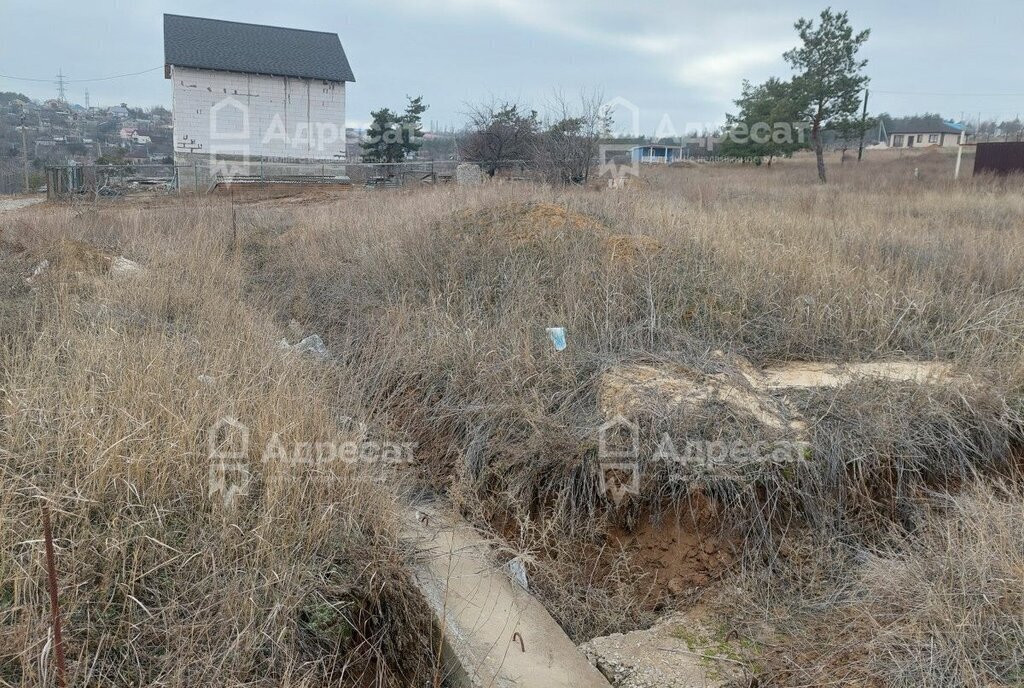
(480, 610)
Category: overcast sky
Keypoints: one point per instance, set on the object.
(675, 58)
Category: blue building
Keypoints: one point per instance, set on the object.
(657, 153)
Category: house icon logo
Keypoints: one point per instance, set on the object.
(628, 128)
(228, 439)
(616, 126)
(229, 480)
(618, 452)
(229, 120)
(228, 448)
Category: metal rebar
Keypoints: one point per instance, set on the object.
(51, 576)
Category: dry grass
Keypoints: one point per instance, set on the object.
(940, 606)
(107, 399)
(434, 304)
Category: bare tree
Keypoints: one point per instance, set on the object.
(566, 150)
(500, 133)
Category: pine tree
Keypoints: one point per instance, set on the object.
(765, 126)
(828, 74)
(390, 136)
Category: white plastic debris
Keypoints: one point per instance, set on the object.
(557, 336)
(42, 267)
(516, 570)
(207, 380)
(124, 266)
(312, 345)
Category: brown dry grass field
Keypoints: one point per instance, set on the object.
(892, 554)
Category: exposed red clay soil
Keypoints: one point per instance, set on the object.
(682, 557)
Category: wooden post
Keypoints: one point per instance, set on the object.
(24, 153)
(863, 120)
(959, 153)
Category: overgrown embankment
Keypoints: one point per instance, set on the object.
(185, 555)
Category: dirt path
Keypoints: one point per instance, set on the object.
(16, 203)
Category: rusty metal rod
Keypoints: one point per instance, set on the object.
(51, 576)
(519, 636)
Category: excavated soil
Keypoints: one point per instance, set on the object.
(525, 223)
(682, 558)
(628, 249)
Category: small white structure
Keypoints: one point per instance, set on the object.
(252, 94)
(919, 135)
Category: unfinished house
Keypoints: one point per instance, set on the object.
(255, 101)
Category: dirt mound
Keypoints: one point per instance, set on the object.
(525, 224)
(809, 375)
(69, 257)
(635, 389)
(627, 249)
(74, 256)
(521, 223)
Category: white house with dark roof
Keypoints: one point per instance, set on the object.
(252, 93)
(920, 134)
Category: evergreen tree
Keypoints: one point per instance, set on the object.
(768, 123)
(391, 136)
(828, 74)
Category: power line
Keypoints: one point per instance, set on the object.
(960, 95)
(81, 81)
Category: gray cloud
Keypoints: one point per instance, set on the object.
(683, 60)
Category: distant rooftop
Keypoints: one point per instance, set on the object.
(936, 126)
(254, 48)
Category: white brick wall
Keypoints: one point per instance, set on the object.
(257, 116)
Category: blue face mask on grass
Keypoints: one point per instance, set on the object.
(557, 336)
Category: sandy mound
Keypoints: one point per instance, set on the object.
(74, 256)
(809, 375)
(632, 390)
(635, 389)
(522, 223)
(626, 249)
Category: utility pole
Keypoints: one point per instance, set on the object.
(960, 153)
(24, 151)
(86, 99)
(863, 121)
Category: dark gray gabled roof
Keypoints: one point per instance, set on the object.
(930, 126)
(254, 48)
